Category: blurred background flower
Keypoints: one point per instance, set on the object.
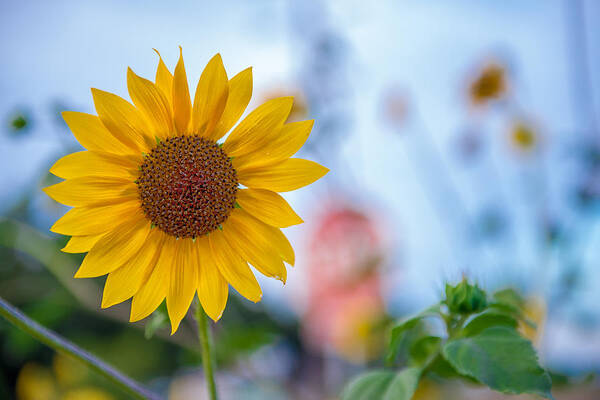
(345, 311)
(489, 84)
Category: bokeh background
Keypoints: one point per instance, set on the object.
(462, 138)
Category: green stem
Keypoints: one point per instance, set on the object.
(51, 339)
(205, 343)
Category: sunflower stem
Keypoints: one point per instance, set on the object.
(205, 339)
(60, 344)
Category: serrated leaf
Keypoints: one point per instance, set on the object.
(488, 320)
(501, 359)
(383, 385)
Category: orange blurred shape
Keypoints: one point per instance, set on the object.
(345, 305)
(345, 246)
(489, 84)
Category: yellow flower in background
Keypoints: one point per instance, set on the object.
(35, 382)
(165, 207)
(66, 380)
(523, 137)
(490, 84)
(536, 312)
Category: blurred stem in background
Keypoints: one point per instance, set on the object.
(205, 339)
(59, 344)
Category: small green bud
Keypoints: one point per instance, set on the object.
(465, 298)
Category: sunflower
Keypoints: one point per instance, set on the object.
(165, 207)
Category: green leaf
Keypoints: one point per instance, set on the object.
(404, 384)
(371, 385)
(501, 359)
(383, 385)
(488, 320)
(510, 302)
(158, 320)
(398, 336)
(42, 248)
(399, 333)
(441, 368)
(424, 350)
(509, 297)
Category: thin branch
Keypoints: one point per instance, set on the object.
(51, 339)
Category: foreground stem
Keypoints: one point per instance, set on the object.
(205, 339)
(51, 339)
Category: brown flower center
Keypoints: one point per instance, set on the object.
(187, 186)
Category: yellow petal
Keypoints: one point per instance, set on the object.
(240, 93)
(290, 138)
(91, 163)
(83, 221)
(126, 280)
(88, 191)
(184, 281)
(233, 268)
(164, 78)
(258, 128)
(290, 174)
(268, 244)
(154, 291)
(152, 103)
(81, 244)
(212, 286)
(115, 248)
(123, 120)
(262, 257)
(268, 206)
(182, 105)
(92, 134)
(210, 98)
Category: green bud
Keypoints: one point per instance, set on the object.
(465, 298)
